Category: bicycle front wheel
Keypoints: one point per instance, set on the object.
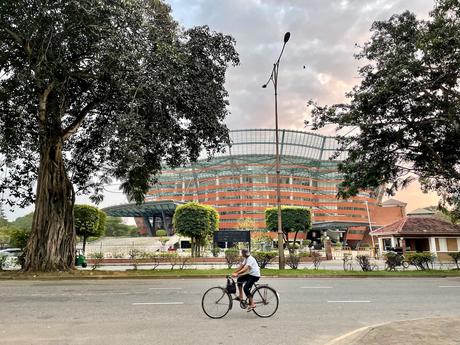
(216, 302)
(266, 301)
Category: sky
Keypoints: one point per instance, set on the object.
(317, 63)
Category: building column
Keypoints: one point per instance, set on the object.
(149, 226)
(403, 245)
(393, 242)
(432, 243)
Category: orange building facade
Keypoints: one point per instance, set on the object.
(241, 182)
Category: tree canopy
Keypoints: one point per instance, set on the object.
(89, 222)
(91, 91)
(293, 219)
(405, 113)
(196, 221)
(115, 227)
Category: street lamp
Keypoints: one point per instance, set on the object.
(274, 79)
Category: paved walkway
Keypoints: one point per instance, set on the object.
(430, 331)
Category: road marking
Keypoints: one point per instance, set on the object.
(348, 301)
(449, 286)
(158, 303)
(316, 287)
(156, 288)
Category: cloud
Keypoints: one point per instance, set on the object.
(323, 37)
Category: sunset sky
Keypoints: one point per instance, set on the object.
(323, 38)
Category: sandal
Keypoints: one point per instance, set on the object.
(251, 308)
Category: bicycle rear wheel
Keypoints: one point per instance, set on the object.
(266, 301)
(216, 302)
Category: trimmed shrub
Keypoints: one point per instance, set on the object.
(232, 256)
(161, 233)
(316, 256)
(293, 261)
(364, 262)
(393, 260)
(264, 258)
(422, 261)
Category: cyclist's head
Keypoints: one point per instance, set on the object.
(245, 252)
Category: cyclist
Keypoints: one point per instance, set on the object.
(248, 272)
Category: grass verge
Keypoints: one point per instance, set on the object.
(197, 273)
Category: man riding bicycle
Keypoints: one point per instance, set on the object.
(248, 272)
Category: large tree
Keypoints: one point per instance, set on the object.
(92, 90)
(404, 116)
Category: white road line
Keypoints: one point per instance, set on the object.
(158, 303)
(348, 301)
(158, 288)
(449, 286)
(316, 287)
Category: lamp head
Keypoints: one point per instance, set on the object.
(264, 86)
(287, 35)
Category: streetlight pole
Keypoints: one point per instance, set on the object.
(274, 79)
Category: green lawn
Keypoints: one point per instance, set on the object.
(176, 273)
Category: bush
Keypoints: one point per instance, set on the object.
(2, 261)
(216, 251)
(364, 262)
(293, 261)
(456, 258)
(393, 260)
(98, 258)
(264, 258)
(306, 243)
(172, 258)
(232, 256)
(422, 261)
(19, 238)
(161, 233)
(305, 254)
(135, 254)
(316, 259)
(163, 240)
(292, 246)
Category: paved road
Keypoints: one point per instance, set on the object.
(312, 311)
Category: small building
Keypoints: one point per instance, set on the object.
(420, 231)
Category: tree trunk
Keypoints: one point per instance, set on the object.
(84, 244)
(51, 246)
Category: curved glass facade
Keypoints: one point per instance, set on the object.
(241, 182)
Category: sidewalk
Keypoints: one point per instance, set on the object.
(432, 331)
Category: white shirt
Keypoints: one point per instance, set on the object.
(254, 269)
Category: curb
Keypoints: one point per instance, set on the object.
(360, 333)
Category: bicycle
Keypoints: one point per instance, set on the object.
(217, 301)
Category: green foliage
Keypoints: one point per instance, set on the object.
(24, 222)
(102, 90)
(364, 262)
(406, 107)
(19, 238)
(161, 233)
(456, 258)
(264, 258)
(422, 261)
(293, 260)
(3, 220)
(232, 257)
(163, 240)
(89, 221)
(196, 221)
(393, 260)
(294, 219)
(114, 227)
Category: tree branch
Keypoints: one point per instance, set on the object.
(42, 104)
(20, 40)
(73, 127)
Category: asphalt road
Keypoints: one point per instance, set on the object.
(312, 311)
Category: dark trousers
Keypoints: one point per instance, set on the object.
(249, 280)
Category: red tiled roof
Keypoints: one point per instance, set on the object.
(419, 226)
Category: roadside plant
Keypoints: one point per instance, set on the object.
(393, 260)
(264, 258)
(293, 260)
(135, 254)
(364, 262)
(232, 257)
(316, 256)
(422, 261)
(456, 258)
(161, 233)
(98, 257)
